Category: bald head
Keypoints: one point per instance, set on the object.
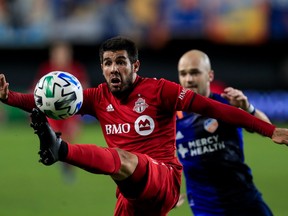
(195, 72)
(194, 59)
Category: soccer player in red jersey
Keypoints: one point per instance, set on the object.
(137, 116)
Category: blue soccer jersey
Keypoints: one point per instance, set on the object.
(218, 182)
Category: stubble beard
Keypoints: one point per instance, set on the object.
(124, 89)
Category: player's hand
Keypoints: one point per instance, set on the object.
(3, 87)
(180, 200)
(236, 98)
(280, 136)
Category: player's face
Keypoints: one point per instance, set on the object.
(194, 75)
(118, 71)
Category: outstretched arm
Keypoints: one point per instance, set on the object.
(238, 99)
(232, 115)
(23, 101)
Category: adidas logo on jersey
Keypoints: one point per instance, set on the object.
(110, 108)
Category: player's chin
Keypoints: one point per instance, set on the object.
(193, 89)
(115, 89)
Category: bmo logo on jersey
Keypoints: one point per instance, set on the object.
(144, 125)
(117, 129)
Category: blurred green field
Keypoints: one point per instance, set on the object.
(29, 188)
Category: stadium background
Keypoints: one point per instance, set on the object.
(247, 44)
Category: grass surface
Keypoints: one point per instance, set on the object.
(29, 188)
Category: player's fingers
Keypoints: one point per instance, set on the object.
(231, 93)
(2, 80)
(240, 97)
(235, 93)
(228, 89)
(225, 96)
(5, 88)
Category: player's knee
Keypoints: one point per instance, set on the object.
(129, 163)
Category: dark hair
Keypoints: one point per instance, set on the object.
(119, 43)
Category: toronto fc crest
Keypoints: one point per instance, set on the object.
(140, 105)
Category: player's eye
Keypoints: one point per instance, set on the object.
(107, 63)
(121, 62)
(183, 74)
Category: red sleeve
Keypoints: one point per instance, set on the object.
(174, 96)
(23, 101)
(169, 95)
(227, 113)
(90, 101)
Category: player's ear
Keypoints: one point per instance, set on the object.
(211, 75)
(136, 66)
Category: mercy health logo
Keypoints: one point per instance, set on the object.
(203, 145)
(144, 125)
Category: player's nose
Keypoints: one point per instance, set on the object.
(189, 79)
(115, 67)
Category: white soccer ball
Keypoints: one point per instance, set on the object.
(58, 94)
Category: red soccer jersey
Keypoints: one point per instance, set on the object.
(142, 121)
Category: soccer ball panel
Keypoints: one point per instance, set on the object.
(58, 94)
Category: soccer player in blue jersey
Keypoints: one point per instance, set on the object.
(218, 181)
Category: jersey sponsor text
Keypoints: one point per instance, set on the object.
(201, 146)
(117, 129)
